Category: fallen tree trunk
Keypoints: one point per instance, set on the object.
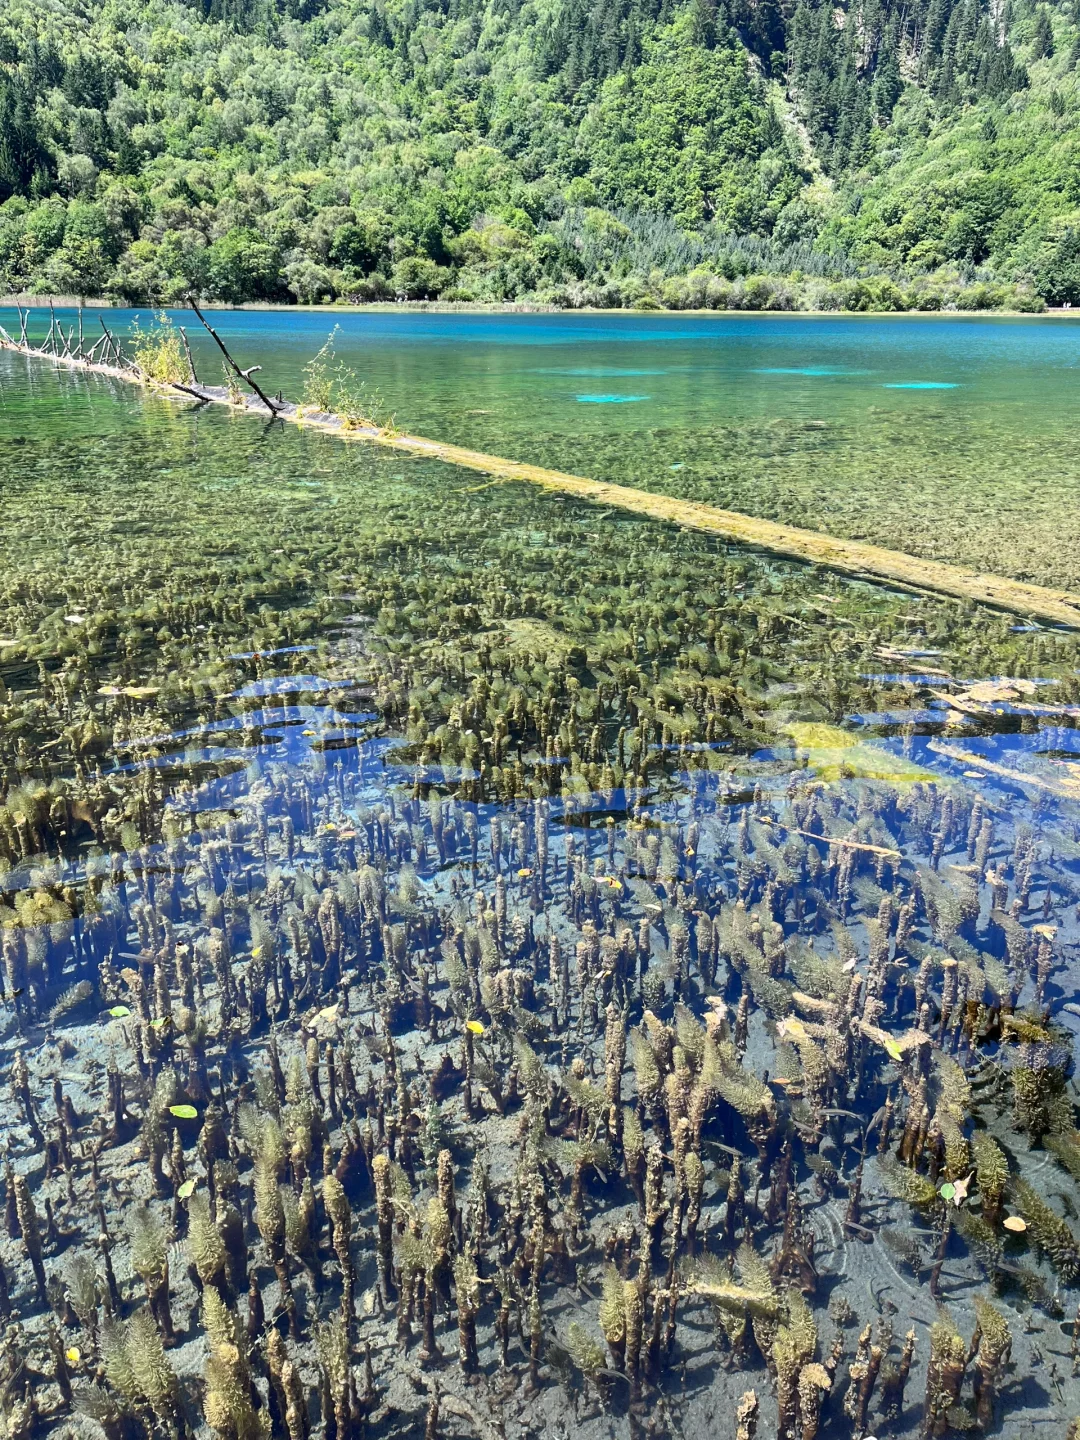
(848, 557)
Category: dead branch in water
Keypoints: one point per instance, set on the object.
(245, 375)
(187, 350)
(112, 347)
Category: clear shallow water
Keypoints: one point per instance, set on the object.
(950, 437)
(252, 661)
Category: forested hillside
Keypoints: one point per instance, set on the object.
(755, 153)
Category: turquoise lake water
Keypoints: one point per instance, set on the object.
(254, 679)
(951, 437)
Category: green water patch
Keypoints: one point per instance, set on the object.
(989, 482)
(599, 372)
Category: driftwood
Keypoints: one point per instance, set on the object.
(62, 346)
(245, 375)
(847, 557)
(112, 347)
(187, 351)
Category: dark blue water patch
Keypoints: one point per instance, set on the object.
(1010, 750)
(287, 718)
(920, 385)
(981, 342)
(288, 685)
(1057, 740)
(610, 399)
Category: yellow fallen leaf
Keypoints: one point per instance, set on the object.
(791, 1027)
(72, 1355)
(1015, 1224)
(474, 1026)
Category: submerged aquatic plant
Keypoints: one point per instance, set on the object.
(445, 877)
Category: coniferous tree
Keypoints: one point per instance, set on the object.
(1042, 42)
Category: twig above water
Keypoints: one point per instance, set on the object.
(244, 375)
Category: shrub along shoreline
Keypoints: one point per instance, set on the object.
(1011, 306)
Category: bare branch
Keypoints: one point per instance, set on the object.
(244, 375)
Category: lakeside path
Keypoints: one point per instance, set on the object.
(851, 557)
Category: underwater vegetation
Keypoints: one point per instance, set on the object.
(465, 972)
(964, 482)
(337, 401)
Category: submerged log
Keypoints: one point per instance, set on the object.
(848, 557)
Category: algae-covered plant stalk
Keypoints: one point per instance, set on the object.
(473, 970)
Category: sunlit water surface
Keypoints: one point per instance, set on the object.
(281, 576)
(950, 437)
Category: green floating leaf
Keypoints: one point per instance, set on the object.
(893, 1049)
(186, 1189)
(119, 1011)
(947, 1191)
(184, 1112)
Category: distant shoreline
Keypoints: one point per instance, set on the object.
(472, 307)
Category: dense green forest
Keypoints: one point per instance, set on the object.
(748, 153)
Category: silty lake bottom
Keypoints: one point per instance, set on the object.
(949, 437)
(492, 966)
